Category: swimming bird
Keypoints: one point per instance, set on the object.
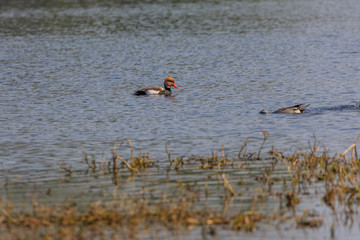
(293, 109)
(168, 83)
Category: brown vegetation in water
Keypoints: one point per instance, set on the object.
(250, 192)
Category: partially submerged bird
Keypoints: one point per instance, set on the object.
(168, 83)
(293, 109)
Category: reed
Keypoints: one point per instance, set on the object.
(181, 200)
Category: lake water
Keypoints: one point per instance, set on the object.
(68, 70)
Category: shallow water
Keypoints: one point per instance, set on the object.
(68, 70)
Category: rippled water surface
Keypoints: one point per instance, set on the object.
(68, 70)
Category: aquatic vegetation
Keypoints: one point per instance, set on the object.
(215, 193)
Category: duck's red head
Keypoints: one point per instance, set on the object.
(170, 82)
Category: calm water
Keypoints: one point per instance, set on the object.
(68, 70)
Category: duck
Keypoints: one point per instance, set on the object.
(168, 83)
(293, 109)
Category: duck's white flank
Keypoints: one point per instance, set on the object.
(153, 92)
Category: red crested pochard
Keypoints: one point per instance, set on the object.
(293, 109)
(168, 83)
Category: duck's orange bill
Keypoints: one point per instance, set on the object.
(175, 86)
